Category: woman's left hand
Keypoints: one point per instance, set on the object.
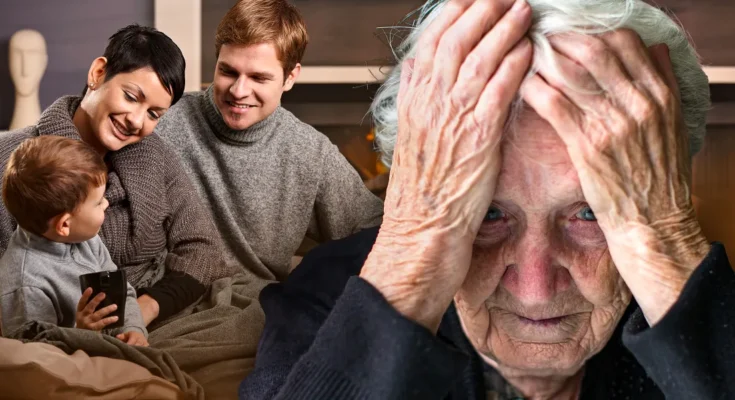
(617, 110)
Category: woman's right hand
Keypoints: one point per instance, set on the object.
(453, 102)
(88, 318)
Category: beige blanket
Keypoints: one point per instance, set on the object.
(206, 350)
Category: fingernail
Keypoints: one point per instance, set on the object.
(114, 318)
(519, 6)
(114, 306)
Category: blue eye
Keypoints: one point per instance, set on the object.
(586, 214)
(493, 214)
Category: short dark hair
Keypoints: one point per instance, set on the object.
(134, 47)
(47, 176)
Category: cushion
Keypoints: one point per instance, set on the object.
(42, 371)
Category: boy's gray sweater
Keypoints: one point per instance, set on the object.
(39, 281)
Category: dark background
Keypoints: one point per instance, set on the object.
(76, 32)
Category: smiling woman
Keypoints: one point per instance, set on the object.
(124, 110)
(155, 227)
(128, 91)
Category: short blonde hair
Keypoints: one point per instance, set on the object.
(265, 21)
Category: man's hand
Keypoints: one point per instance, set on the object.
(133, 338)
(88, 318)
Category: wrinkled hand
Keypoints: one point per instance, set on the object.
(625, 135)
(452, 105)
(133, 338)
(88, 318)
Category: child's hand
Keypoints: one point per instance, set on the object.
(133, 338)
(92, 320)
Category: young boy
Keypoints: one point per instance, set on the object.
(54, 187)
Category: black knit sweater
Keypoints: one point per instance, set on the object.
(331, 335)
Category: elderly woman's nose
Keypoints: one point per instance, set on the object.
(535, 277)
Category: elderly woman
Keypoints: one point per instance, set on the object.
(541, 249)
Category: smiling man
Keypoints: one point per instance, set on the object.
(268, 178)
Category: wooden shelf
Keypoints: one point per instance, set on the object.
(327, 107)
(356, 75)
(720, 75)
(353, 75)
(375, 74)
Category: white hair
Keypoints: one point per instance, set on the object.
(551, 17)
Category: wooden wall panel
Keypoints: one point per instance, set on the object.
(714, 186)
(342, 32)
(709, 22)
(347, 32)
(212, 13)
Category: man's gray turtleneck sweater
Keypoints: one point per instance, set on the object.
(270, 185)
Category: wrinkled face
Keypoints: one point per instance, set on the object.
(126, 108)
(542, 294)
(87, 219)
(248, 84)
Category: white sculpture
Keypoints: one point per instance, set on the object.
(28, 60)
